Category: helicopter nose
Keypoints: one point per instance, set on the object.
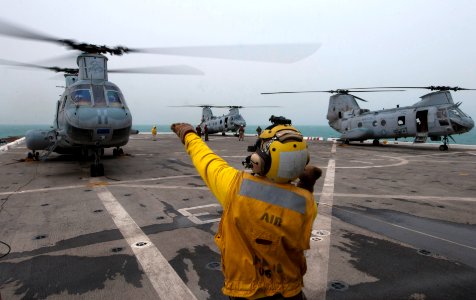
(466, 122)
(470, 123)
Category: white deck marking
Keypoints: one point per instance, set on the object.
(204, 188)
(409, 229)
(409, 197)
(162, 276)
(315, 280)
(194, 216)
(401, 162)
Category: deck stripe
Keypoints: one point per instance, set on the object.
(162, 276)
(315, 280)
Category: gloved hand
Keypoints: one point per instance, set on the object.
(308, 178)
(181, 129)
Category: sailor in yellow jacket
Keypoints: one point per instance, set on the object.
(154, 132)
(267, 220)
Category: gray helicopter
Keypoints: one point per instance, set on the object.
(92, 114)
(435, 116)
(230, 122)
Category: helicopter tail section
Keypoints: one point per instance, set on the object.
(340, 106)
(207, 114)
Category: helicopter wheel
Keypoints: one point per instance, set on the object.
(376, 142)
(30, 155)
(114, 152)
(443, 148)
(37, 155)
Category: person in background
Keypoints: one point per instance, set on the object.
(154, 132)
(241, 133)
(198, 129)
(267, 219)
(258, 131)
(205, 129)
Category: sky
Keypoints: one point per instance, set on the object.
(363, 44)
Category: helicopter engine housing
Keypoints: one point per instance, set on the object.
(39, 139)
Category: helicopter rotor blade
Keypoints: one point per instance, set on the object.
(17, 31)
(338, 91)
(170, 70)
(34, 66)
(431, 87)
(225, 106)
(278, 53)
(361, 99)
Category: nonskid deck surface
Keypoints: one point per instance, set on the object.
(395, 222)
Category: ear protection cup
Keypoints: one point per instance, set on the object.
(265, 159)
(257, 163)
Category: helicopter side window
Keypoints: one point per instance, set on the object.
(401, 121)
(441, 113)
(81, 97)
(113, 98)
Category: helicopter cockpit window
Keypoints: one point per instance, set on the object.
(456, 112)
(98, 92)
(81, 97)
(113, 98)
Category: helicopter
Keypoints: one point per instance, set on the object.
(230, 122)
(92, 113)
(435, 116)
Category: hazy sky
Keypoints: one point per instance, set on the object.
(363, 43)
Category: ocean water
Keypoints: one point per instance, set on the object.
(324, 131)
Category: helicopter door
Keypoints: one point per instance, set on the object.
(226, 124)
(422, 121)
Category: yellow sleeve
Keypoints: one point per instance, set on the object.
(215, 171)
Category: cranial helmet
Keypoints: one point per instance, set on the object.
(281, 155)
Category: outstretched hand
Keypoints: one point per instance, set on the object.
(181, 130)
(308, 178)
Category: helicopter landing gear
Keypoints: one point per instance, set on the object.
(97, 169)
(444, 147)
(376, 142)
(117, 151)
(34, 155)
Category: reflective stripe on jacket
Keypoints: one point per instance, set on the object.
(264, 229)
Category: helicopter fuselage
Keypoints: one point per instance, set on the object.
(434, 116)
(221, 124)
(91, 113)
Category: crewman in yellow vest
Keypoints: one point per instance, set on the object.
(267, 220)
(154, 132)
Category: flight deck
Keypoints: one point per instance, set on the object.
(395, 221)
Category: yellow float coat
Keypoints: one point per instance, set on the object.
(264, 229)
